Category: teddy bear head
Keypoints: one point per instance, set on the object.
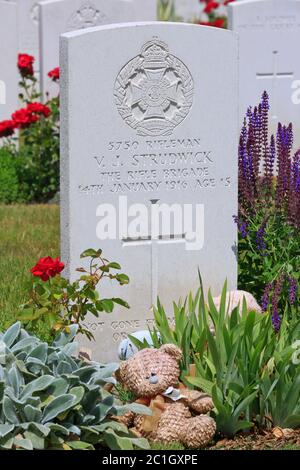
(151, 372)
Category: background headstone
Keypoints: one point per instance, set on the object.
(60, 16)
(28, 28)
(188, 10)
(8, 60)
(269, 32)
(156, 122)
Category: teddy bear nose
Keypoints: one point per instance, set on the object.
(153, 379)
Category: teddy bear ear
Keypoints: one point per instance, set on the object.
(172, 350)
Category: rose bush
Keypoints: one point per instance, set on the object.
(56, 303)
(31, 137)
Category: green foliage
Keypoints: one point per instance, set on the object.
(9, 181)
(59, 303)
(166, 11)
(233, 354)
(280, 259)
(51, 400)
(126, 396)
(171, 446)
(38, 157)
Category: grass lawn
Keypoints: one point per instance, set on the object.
(27, 233)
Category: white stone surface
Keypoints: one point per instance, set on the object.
(60, 16)
(153, 121)
(188, 10)
(8, 60)
(269, 33)
(28, 28)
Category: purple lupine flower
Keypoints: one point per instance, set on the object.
(276, 320)
(260, 238)
(265, 106)
(256, 141)
(284, 142)
(242, 226)
(293, 290)
(272, 155)
(265, 301)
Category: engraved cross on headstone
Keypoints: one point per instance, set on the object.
(274, 76)
(154, 241)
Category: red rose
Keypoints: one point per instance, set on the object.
(54, 74)
(24, 118)
(25, 64)
(7, 128)
(210, 6)
(218, 23)
(47, 267)
(39, 108)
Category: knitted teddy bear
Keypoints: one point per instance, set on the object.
(178, 413)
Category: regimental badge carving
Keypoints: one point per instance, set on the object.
(86, 16)
(154, 91)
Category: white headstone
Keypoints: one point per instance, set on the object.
(8, 60)
(60, 16)
(188, 10)
(269, 33)
(149, 123)
(28, 28)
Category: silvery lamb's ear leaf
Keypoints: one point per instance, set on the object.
(64, 338)
(78, 393)
(23, 443)
(33, 401)
(15, 379)
(134, 407)
(73, 429)
(59, 405)
(23, 334)
(36, 366)
(32, 414)
(85, 373)
(141, 443)
(41, 383)
(21, 366)
(70, 349)
(38, 442)
(58, 387)
(6, 429)
(105, 374)
(11, 334)
(25, 344)
(116, 442)
(39, 428)
(39, 352)
(64, 368)
(9, 411)
(58, 428)
(100, 428)
(6, 442)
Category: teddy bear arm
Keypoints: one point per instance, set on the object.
(198, 402)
